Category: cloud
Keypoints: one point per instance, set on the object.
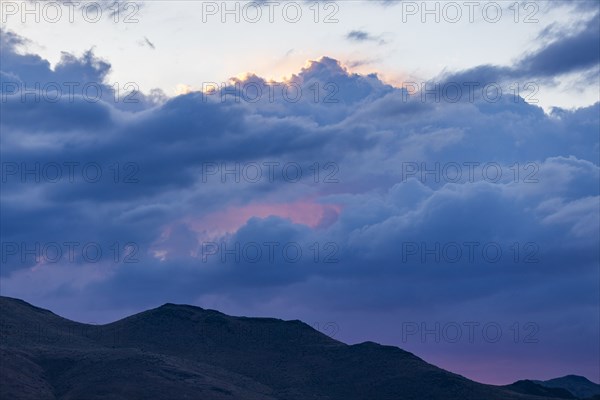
(149, 43)
(567, 52)
(362, 36)
(74, 79)
(359, 36)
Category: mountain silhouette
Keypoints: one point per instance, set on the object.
(534, 388)
(186, 352)
(579, 386)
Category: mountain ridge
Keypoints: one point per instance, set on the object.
(186, 352)
(579, 386)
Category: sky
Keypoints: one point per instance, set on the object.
(420, 177)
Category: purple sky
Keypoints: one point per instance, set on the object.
(464, 228)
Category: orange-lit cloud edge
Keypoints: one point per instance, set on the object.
(288, 73)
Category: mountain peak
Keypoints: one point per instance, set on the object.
(575, 378)
(182, 306)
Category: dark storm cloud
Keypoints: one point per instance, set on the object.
(567, 52)
(571, 54)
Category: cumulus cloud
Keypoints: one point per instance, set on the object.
(27, 77)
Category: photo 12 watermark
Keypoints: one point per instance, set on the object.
(469, 252)
(469, 172)
(469, 92)
(69, 171)
(253, 12)
(69, 11)
(212, 335)
(55, 252)
(254, 92)
(453, 12)
(270, 252)
(54, 92)
(470, 332)
(270, 172)
(55, 334)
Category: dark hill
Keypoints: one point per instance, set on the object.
(579, 386)
(533, 388)
(186, 352)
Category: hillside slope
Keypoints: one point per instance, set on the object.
(186, 352)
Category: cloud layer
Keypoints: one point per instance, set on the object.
(331, 191)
